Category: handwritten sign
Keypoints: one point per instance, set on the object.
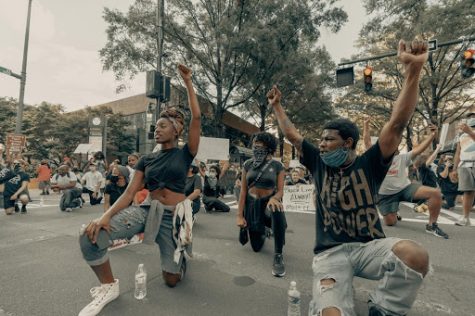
(299, 198)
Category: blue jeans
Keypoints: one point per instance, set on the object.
(124, 225)
(395, 293)
(69, 195)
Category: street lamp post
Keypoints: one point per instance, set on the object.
(19, 114)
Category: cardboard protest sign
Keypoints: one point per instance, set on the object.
(299, 198)
(213, 148)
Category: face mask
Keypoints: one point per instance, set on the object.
(260, 154)
(335, 158)
(16, 168)
(212, 174)
(114, 179)
(471, 122)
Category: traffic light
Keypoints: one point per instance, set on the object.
(368, 78)
(151, 132)
(466, 65)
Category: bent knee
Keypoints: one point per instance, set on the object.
(24, 199)
(171, 279)
(413, 255)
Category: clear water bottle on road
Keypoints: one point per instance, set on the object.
(294, 300)
(140, 283)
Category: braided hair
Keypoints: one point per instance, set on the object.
(176, 117)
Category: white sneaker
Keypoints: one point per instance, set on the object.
(69, 209)
(101, 295)
(464, 221)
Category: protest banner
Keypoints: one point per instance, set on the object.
(299, 198)
(213, 148)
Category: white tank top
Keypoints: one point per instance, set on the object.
(465, 142)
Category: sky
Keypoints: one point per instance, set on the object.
(65, 38)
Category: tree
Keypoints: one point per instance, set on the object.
(219, 38)
(7, 117)
(444, 95)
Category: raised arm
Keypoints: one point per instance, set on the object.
(433, 155)
(286, 126)
(425, 144)
(366, 133)
(195, 122)
(412, 56)
(467, 129)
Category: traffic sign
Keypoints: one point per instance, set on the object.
(5, 71)
(15, 145)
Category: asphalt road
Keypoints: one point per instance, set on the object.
(42, 271)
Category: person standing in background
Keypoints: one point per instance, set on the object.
(44, 176)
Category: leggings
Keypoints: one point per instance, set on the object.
(257, 218)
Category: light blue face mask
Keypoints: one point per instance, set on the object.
(471, 122)
(335, 158)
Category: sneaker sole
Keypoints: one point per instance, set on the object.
(279, 275)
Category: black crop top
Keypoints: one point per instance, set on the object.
(167, 168)
(268, 180)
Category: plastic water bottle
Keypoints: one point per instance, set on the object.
(140, 283)
(294, 300)
(42, 201)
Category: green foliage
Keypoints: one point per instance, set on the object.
(225, 42)
(51, 133)
(444, 95)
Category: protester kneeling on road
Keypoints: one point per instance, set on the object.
(92, 181)
(67, 182)
(349, 235)
(15, 189)
(212, 190)
(193, 187)
(119, 180)
(260, 203)
(166, 220)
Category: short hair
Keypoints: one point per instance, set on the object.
(346, 129)
(99, 155)
(267, 139)
(136, 155)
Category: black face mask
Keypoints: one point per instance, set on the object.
(16, 168)
(114, 179)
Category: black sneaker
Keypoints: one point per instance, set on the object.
(399, 217)
(17, 208)
(278, 268)
(23, 209)
(436, 231)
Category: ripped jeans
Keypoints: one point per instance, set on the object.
(395, 293)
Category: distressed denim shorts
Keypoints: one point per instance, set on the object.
(395, 293)
(124, 225)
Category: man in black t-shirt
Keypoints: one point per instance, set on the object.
(15, 189)
(349, 237)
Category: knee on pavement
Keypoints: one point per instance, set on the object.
(413, 255)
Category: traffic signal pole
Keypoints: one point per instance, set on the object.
(160, 17)
(19, 114)
(394, 53)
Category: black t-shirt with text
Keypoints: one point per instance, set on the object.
(346, 198)
(12, 185)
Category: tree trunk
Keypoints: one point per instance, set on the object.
(263, 111)
(281, 144)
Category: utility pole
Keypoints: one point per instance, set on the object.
(160, 18)
(19, 114)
